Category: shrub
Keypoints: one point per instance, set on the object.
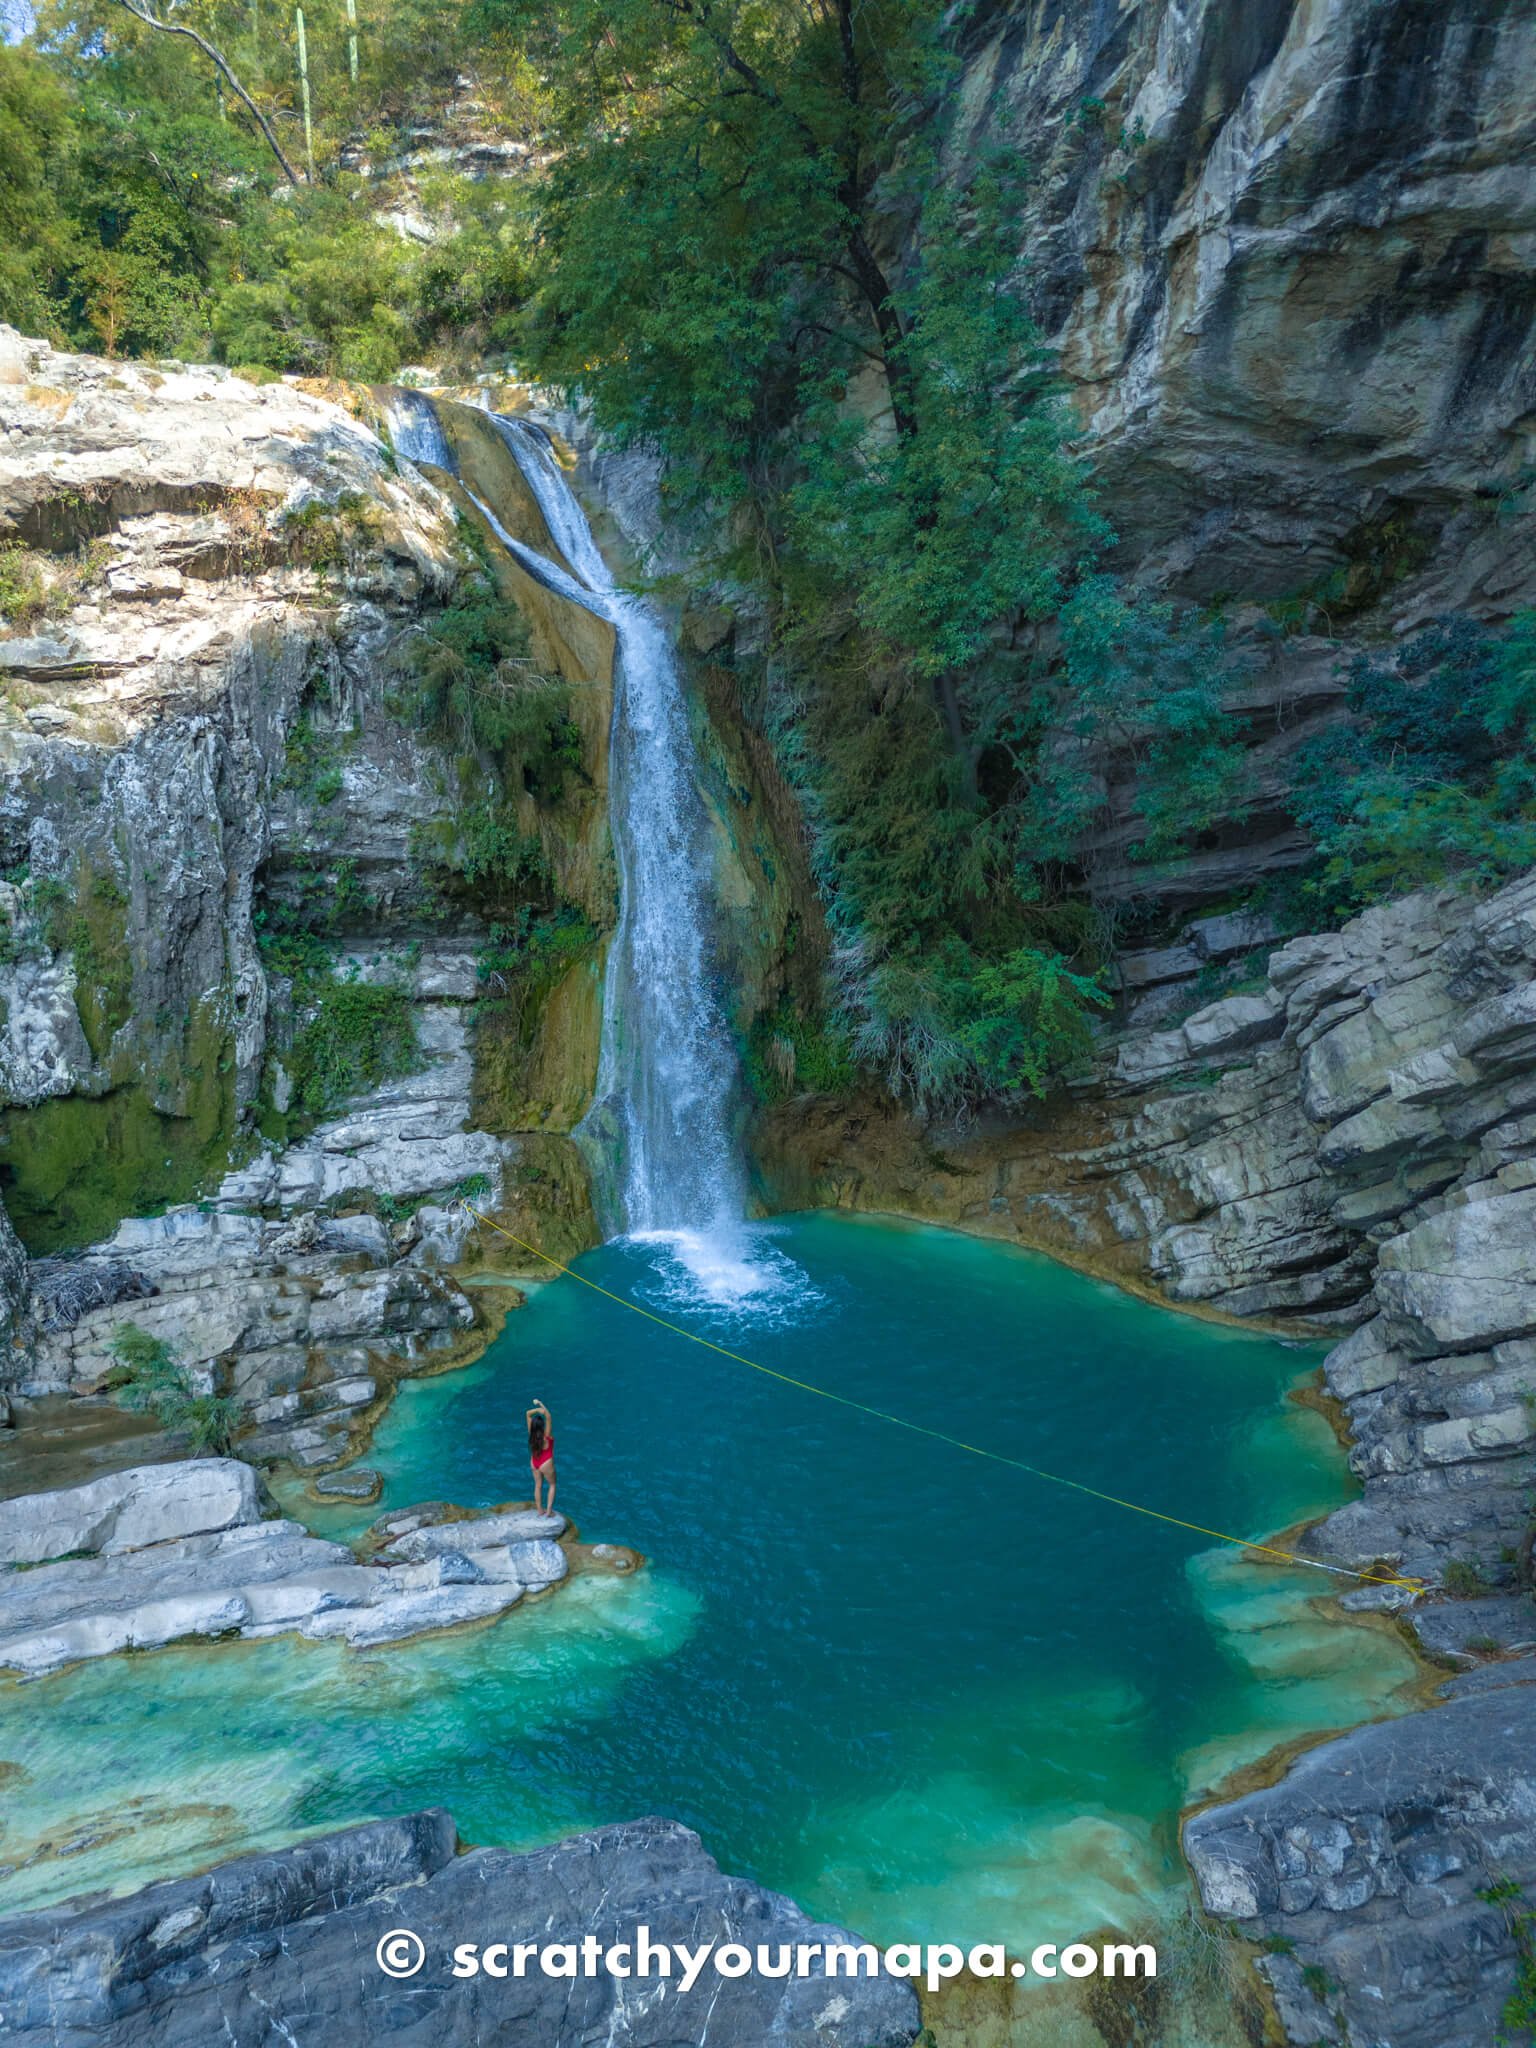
(1463, 1579)
(148, 1377)
(1436, 780)
(468, 678)
(355, 1035)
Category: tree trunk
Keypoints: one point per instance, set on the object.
(176, 28)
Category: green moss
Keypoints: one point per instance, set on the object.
(97, 935)
(73, 1167)
(519, 965)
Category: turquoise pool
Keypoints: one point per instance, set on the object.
(924, 1694)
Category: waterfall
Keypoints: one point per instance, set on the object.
(661, 1134)
(415, 432)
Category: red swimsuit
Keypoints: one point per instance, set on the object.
(545, 1456)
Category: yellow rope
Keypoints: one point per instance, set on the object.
(938, 1435)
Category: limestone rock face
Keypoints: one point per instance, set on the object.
(146, 729)
(1281, 250)
(295, 1932)
(1371, 1860)
(200, 739)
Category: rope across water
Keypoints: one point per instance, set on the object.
(940, 1436)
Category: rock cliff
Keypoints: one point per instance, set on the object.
(203, 748)
(1282, 250)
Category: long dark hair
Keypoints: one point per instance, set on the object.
(536, 1428)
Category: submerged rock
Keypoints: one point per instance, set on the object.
(358, 1483)
(284, 1945)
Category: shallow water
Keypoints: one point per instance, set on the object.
(924, 1694)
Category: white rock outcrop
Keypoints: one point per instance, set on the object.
(164, 1553)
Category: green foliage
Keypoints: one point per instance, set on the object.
(355, 1035)
(351, 1034)
(1463, 1579)
(1026, 1020)
(790, 1054)
(1519, 2014)
(400, 1208)
(1436, 779)
(36, 586)
(468, 678)
(533, 948)
(975, 512)
(141, 217)
(23, 593)
(313, 762)
(331, 534)
(1148, 684)
(146, 1370)
(148, 1377)
(948, 1026)
(37, 235)
(899, 468)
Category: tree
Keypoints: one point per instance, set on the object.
(37, 236)
(178, 28)
(756, 252)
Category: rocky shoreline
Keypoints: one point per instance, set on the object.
(163, 1553)
(282, 1946)
(1348, 1144)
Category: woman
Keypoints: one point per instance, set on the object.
(541, 1456)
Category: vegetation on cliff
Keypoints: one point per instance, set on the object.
(747, 236)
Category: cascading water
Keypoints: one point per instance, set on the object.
(415, 431)
(661, 1132)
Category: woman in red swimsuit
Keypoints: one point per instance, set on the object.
(541, 1455)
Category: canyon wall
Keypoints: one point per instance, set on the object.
(1284, 253)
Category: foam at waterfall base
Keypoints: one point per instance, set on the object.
(730, 1268)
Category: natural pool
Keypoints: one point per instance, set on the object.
(924, 1694)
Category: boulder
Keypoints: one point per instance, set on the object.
(148, 1504)
(1463, 1279)
(1369, 1865)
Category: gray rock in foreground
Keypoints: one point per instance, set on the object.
(1368, 1859)
(281, 1948)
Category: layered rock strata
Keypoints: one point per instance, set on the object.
(163, 1553)
(284, 1945)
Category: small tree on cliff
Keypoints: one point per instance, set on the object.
(712, 276)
